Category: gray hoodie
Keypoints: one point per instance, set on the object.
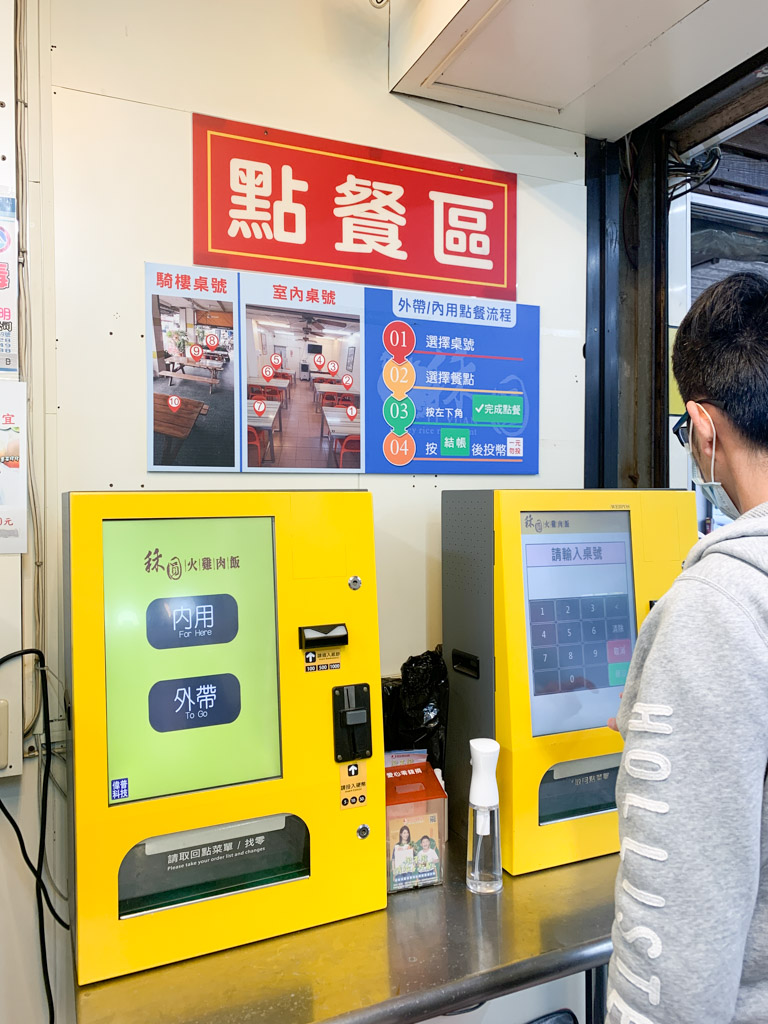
(691, 930)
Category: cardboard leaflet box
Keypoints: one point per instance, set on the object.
(416, 827)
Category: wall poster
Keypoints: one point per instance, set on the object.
(269, 201)
(13, 467)
(259, 378)
(351, 310)
(9, 288)
(9, 233)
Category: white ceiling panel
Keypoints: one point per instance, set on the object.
(550, 52)
(601, 67)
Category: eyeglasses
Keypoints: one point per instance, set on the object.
(682, 429)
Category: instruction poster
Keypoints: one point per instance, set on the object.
(13, 467)
(274, 372)
(454, 383)
(9, 287)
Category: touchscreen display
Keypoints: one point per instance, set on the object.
(190, 655)
(580, 623)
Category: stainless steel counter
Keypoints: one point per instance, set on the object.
(432, 950)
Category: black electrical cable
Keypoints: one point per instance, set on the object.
(694, 175)
(39, 886)
(631, 169)
(46, 895)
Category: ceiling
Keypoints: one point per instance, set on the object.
(298, 322)
(597, 67)
(170, 304)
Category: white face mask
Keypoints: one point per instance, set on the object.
(712, 490)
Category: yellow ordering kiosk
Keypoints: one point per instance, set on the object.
(543, 594)
(225, 713)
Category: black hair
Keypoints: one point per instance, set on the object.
(405, 829)
(423, 838)
(721, 352)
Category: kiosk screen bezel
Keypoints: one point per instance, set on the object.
(583, 693)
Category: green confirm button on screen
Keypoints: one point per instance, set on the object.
(191, 655)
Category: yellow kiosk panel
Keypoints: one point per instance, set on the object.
(543, 594)
(211, 736)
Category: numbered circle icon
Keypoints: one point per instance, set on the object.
(174, 402)
(399, 377)
(319, 360)
(276, 359)
(399, 340)
(352, 412)
(212, 341)
(399, 451)
(347, 381)
(399, 414)
(333, 367)
(196, 351)
(267, 372)
(259, 407)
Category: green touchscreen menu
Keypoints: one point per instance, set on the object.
(191, 655)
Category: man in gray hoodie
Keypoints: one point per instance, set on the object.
(691, 928)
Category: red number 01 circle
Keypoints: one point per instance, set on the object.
(399, 340)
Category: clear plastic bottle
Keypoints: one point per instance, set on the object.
(483, 838)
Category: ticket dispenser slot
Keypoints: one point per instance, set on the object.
(574, 789)
(184, 867)
(352, 722)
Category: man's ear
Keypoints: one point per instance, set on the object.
(702, 427)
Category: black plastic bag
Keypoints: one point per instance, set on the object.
(416, 708)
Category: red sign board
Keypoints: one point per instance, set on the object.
(274, 202)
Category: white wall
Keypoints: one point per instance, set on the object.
(124, 194)
(112, 148)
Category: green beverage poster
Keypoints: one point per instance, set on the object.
(191, 655)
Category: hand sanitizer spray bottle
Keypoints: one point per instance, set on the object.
(483, 841)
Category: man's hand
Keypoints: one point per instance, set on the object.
(611, 723)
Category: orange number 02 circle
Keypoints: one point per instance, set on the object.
(399, 377)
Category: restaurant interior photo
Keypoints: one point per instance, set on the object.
(193, 382)
(302, 389)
